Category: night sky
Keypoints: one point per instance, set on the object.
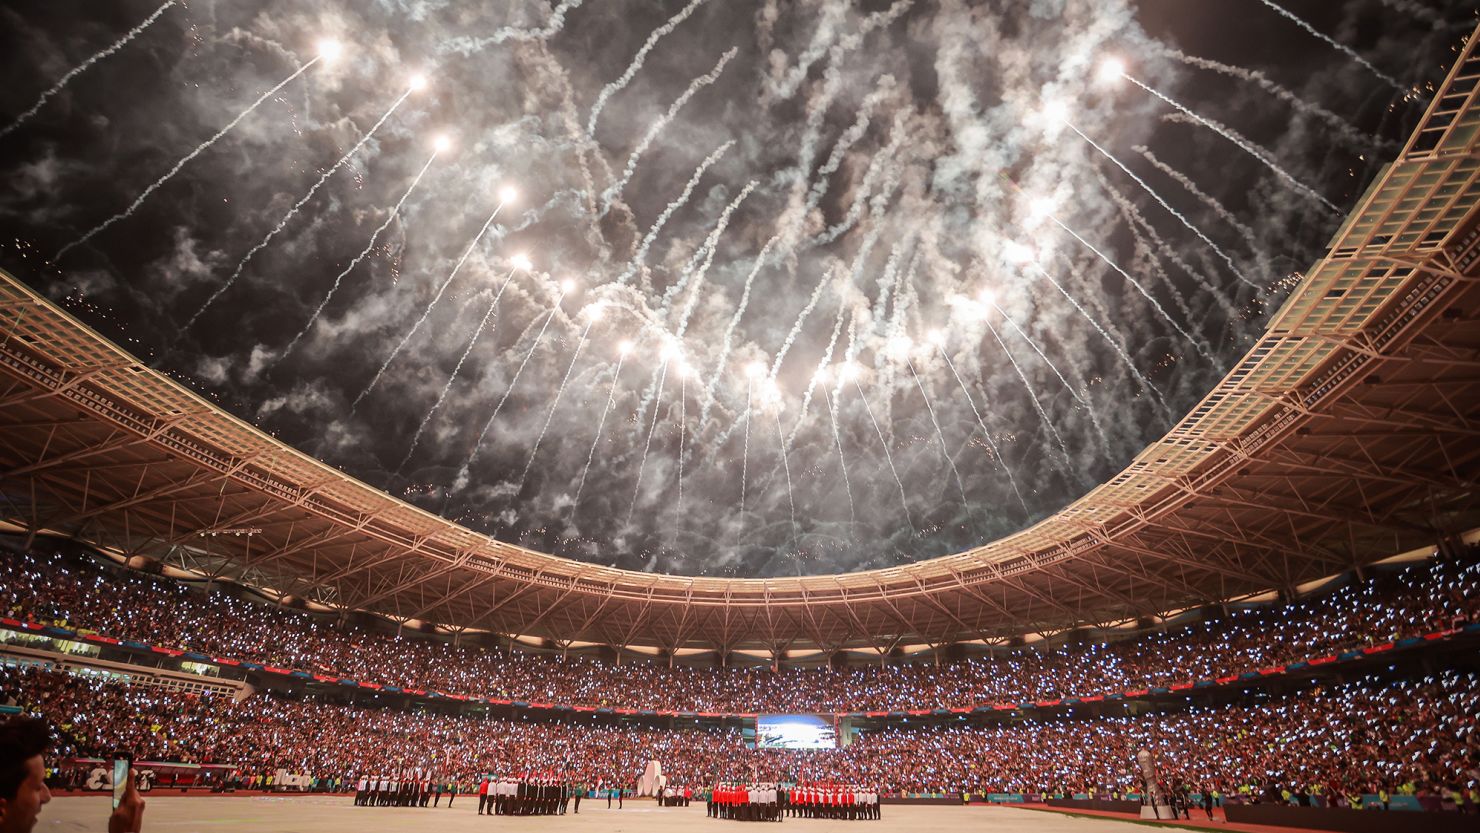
(742, 193)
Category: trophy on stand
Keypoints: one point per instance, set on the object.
(1155, 805)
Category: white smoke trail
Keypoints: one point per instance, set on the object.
(888, 457)
(600, 424)
(846, 44)
(1243, 144)
(711, 245)
(1217, 207)
(461, 481)
(1342, 127)
(1139, 288)
(678, 202)
(637, 61)
(82, 67)
(941, 436)
(786, 465)
(283, 223)
(552, 27)
(1033, 397)
(441, 397)
(986, 432)
(1415, 9)
(727, 340)
(560, 391)
(1181, 218)
(637, 489)
(1340, 47)
(745, 450)
(647, 140)
(390, 218)
(842, 459)
(796, 327)
(1094, 418)
(705, 250)
(1142, 249)
(1147, 244)
(456, 369)
(683, 404)
(201, 148)
(888, 166)
(845, 142)
(812, 381)
(427, 311)
(1114, 345)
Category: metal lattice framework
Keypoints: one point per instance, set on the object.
(1350, 432)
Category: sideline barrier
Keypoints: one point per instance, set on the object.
(1102, 804)
(1352, 821)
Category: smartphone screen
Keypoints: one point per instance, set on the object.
(120, 779)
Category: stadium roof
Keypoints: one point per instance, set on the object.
(1348, 433)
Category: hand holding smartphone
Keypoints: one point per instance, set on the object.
(128, 807)
(122, 763)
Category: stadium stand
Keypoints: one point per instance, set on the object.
(1426, 599)
(1407, 738)
(1305, 740)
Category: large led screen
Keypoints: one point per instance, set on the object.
(794, 731)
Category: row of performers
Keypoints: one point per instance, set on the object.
(412, 789)
(527, 797)
(770, 802)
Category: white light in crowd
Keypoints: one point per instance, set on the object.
(847, 371)
(521, 262)
(508, 195)
(682, 369)
(441, 143)
(755, 370)
(987, 297)
(1111, 69)
(596, 311)
(822, 375)
(330, 50)
(1018, 253)
(624, 347)
(567, 286)
(899, 346)
(671, 350)
(417, 82)
(937, 337)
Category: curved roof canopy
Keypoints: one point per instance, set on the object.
(1346, 434)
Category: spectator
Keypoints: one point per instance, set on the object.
(23, 791)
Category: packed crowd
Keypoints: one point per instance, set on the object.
(1430, 596)
(1404, 737)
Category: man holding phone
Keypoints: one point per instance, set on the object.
(23, 741)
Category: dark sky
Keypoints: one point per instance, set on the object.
(838, 194)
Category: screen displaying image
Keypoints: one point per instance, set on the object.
(794, 731)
